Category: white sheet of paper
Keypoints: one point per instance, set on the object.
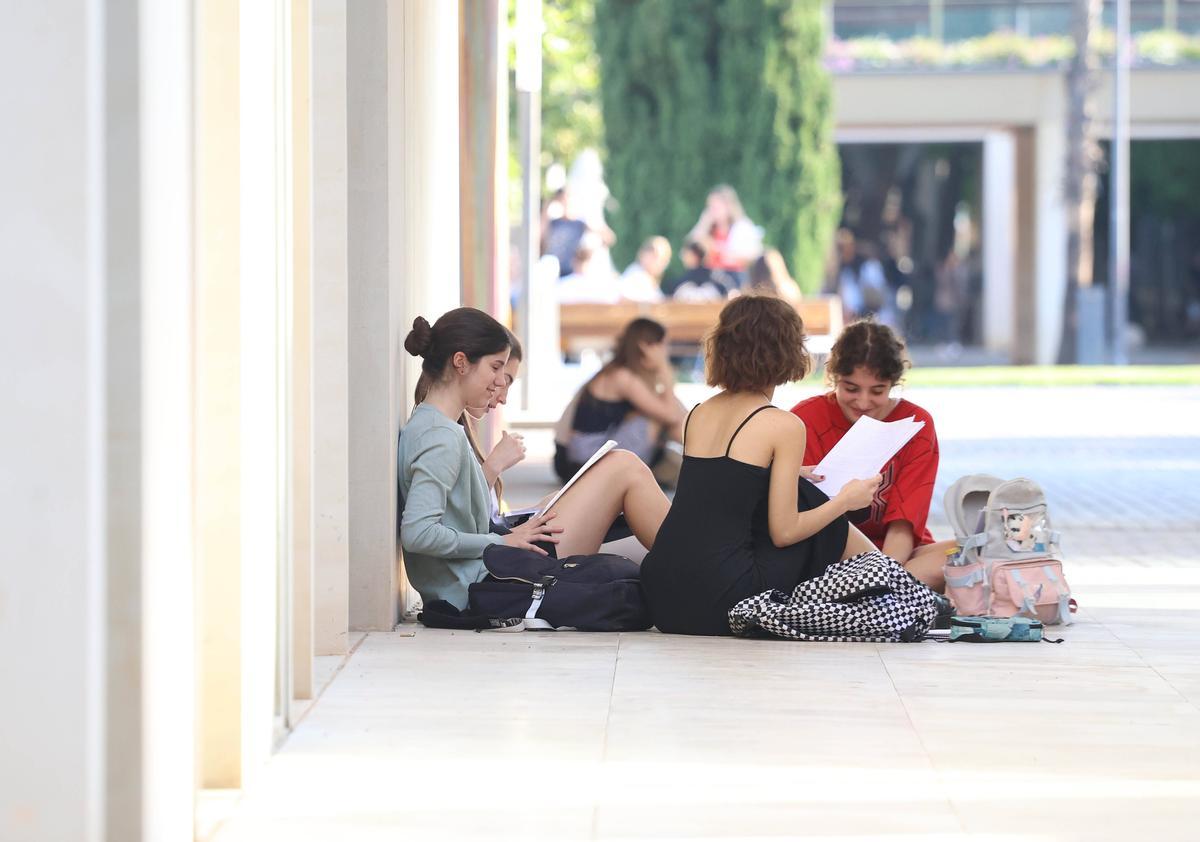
(863, 451)
(604, 448)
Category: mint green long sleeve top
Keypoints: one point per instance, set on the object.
(444, 529)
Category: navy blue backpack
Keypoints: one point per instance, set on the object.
(598, 592)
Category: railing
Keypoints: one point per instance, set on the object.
(956, 20)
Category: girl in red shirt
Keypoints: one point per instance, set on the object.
(866, 362)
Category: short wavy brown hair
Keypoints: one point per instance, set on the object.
(758, 343)
(869, 345)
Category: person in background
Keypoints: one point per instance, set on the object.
(769, 274)
(588, 281)
(865, 364)
(730, 239)
(444, 528)
(630, 400)
(860, 281)
(641, 280)
(744, 520)
(698, 282)
(561, 235)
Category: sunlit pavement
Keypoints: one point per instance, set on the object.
(440, 735)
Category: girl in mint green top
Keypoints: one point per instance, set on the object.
(445, 526)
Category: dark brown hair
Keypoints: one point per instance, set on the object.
(516, 352)
(628, 351)
(757, 343)
(424, 381)
(871, 345)
(465, 329)
(422, 390)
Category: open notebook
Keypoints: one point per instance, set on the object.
(516, 518)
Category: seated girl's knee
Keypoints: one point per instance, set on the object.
(626, 460)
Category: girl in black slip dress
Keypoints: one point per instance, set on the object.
(714, 549)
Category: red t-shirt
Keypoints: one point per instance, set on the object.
(907, 486)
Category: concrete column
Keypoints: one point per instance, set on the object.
(424, 225)
(1051, 225)
(301, 407)
(54, 441)
(402, 118)
(218, 394)
(330, 330)
(168, 634)
(264, 268)
(1025, 309)
(483, 139)
(374, 577)
(999, 233)
(95, 357)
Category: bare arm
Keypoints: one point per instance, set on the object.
(658, 406)
(508, 451)
(899, 540)
(786, 525)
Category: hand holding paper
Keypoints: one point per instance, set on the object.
(863, 451)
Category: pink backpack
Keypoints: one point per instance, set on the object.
(1008, 561)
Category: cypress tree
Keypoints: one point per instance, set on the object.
(700, 92)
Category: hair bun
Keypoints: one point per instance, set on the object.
(420, 338)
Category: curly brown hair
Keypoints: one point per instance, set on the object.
(757, 343)
(870, 345)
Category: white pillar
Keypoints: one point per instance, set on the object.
(168, 643)
(265, 254)
(96, 358)
(54, 288)
(330, 330)
(999, 239)
(423, 148)
(403, 253)
(374, 579)
(218, 393)
(1051, 263)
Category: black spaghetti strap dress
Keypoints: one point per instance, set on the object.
(714, 548)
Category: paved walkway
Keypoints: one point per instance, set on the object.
(427, 734)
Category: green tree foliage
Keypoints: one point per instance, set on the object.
(701, 92)
(571, 118)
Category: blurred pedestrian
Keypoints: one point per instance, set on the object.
(698, 282)
(769, 275)
(730, 239)
(642, 280)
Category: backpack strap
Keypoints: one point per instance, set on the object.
(745, 421)
(1064, 595)
(1028, 608)
(973, 542)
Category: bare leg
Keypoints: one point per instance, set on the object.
(856, 543)
(619, 482)
(928, 562)
(925, 564)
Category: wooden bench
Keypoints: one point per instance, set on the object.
(595, 326)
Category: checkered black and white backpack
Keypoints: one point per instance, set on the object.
(867, 598)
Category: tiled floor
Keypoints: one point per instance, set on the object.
(439, 735)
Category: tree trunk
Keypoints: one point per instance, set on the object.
(1083, 155)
